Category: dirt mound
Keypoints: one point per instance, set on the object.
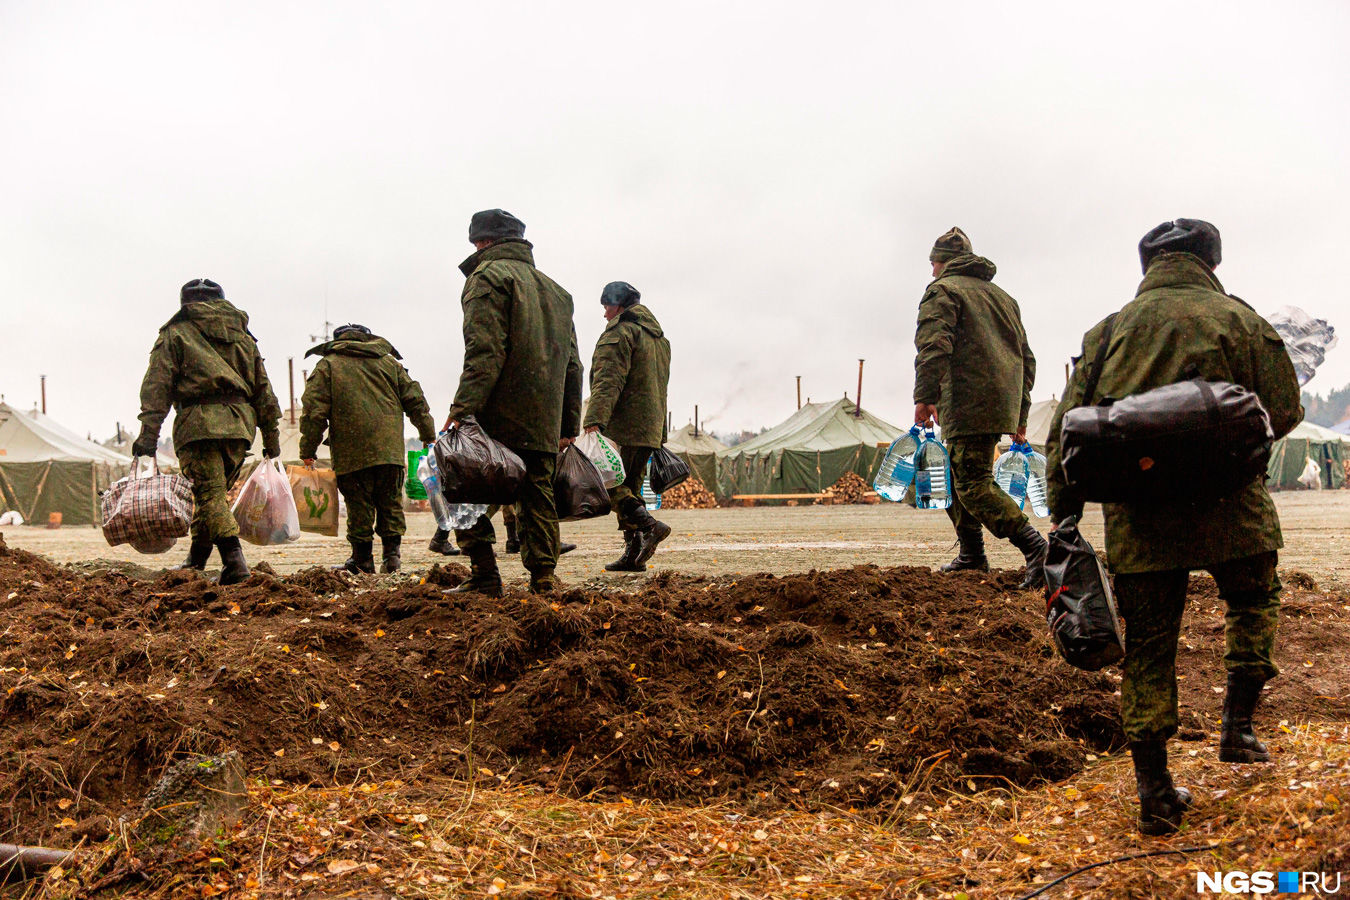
(845, 688)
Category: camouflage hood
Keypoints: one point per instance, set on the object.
(1177, 269)
(640, 316)
(971, 266)
(219, 320)
(511, 248)
(354, 344)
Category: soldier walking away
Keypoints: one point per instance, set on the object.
(630, 372)
(205, 366)
(522, 383)
(973, 375)
(1181, 325)
(359, 393)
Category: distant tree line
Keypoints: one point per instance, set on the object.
(1330, 410)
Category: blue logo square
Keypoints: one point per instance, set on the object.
(1288, 883)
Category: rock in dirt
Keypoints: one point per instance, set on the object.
(196, 799)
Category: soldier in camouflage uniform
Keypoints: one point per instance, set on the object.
(630, 372)
(205, 366)
(973, 374)
(522, 383)
(359, 393)
(1181, 325)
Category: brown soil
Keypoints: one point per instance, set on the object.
(843, 688)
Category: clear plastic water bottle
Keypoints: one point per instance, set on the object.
(1036, 483)
(1011, 473)
(897, 468)
(932, 474)
(449, 516)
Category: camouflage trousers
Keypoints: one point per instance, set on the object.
(535, 513)
(976, 499)
(213, 467)
(623, 495)
(374, 498)
(1152, 604)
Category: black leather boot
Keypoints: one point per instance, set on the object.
(1237, 742)
(1033, 546)
(362, 560)
(391, 555)
(483, 575)
(199, 552)
(512, 538)
(1161, 805)
(442, 544)
(650, 531)
(971, 558)
(544, 582)
(628, 561)
(233, 566)
(564, 547)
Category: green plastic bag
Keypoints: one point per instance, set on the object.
(412, 487)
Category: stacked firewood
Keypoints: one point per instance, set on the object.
(848, 489)
(689, 494)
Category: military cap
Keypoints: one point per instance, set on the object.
(353, 327)
(200, 289)
(619, 293)
(494, 225)
(950, 245)
(1182, 236)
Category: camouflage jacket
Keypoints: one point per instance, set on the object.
(1182, 325)
(973, 359)
(205, 365)
(630, 372)
(522, 373)
(359, 393)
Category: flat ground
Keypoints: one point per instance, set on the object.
(777, 540)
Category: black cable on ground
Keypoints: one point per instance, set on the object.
(1106, 862)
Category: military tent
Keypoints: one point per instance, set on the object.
(808, 452)
(1038, 424)
(290, 443)
(699, 451)
(46, 468)
(1327, 448)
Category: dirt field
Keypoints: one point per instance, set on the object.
(777, 540)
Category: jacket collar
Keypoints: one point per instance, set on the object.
(1176, 269)
(510, 248)
(371, 345)
(970, 266)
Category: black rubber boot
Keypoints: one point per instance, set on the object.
(442, 544)
(391, 554)
(198, 554)
(512, 538)
(544, 582)
(564, 547)
(1161, 805)
(1237, 742)
(233, 566)
(1033, 547)
(362, 560)
(628, 561)
(971, 558)
(650, 531)
(483, 575)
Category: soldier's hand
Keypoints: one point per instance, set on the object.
(309, 463)
(1020, 437)
(271, 446)
(565, 443)
(592, 429)
(450, 423)
(144, 446)
(925, 414)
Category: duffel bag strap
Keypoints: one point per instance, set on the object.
(1211, 401)
(1097, 361)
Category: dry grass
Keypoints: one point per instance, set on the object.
(443, 839)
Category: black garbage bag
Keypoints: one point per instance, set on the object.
(1080, 607)
(578, 487)
(667, 470)
(475, 468)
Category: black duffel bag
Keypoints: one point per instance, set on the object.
(578, 487)
(667, 470)
(475, 468)
(1190, 440)
(1080, 607)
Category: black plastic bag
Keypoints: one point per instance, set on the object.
(1081, 609)
(475, 468)
(1186, 441)
(667, 470)
(578, 487)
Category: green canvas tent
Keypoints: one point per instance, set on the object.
(699, 451)
(1327, 448)
(46, 468)
(808, 452)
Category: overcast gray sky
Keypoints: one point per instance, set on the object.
(769, 175)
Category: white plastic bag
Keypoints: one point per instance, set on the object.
(265, 509)
(1312, 475)
(605, 454)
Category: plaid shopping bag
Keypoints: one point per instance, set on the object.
(147, 509)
